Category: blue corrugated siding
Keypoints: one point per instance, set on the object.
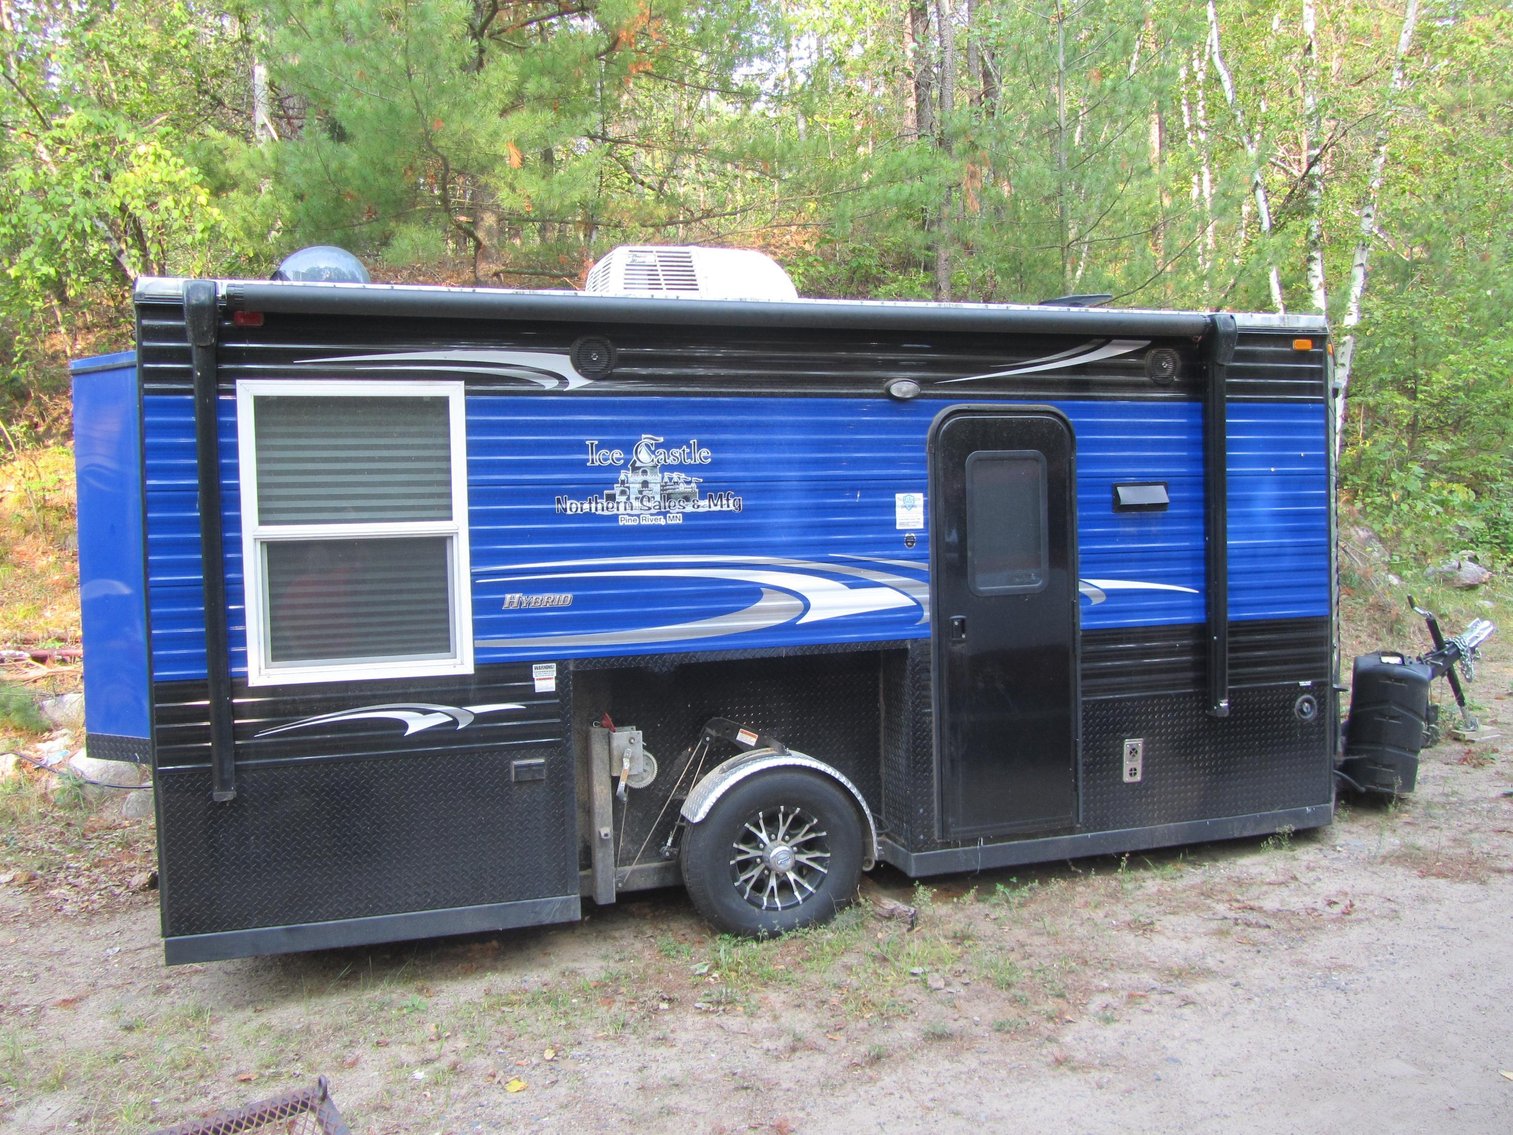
(176, 594)
(113, 608)
(1278, 510)
(1131, 442)
(795, 539)
(175, 591)
(809, 480)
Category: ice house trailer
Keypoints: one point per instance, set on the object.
(441, 610)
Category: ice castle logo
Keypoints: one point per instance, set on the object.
(646, 491)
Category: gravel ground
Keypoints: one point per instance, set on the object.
(1352, 979)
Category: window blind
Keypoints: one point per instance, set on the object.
(342, 459)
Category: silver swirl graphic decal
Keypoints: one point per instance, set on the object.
(546, 369)
(789, 591)
(1096, 590)
(1091, 352)
(414, 716)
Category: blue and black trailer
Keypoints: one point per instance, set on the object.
(441, 610)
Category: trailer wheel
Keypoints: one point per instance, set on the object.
(780, 850)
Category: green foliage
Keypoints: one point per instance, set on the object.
(1432, 461)
(106, 200)
(18, 711)
(106, 108)
(1429, 451)
(437, 128)
(95, 183)
(878, 148)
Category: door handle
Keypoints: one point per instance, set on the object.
(958, 628)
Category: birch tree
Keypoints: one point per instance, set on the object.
(1313, 160)
(1251, 141)
(1366, 235)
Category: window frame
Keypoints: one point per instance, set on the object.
(256, 536)
(1037, 459)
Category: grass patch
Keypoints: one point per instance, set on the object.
(15, 1068)
(1001, 972)
(1013, 894)
(1279, 840)
(1458, 865)
(50, 835)
(39, 564)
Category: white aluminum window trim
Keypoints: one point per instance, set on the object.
(255, 536)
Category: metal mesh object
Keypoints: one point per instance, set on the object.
(305, 1111)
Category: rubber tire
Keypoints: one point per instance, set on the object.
(705, 858)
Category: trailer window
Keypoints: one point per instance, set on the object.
(354, 538)
(1006, 522)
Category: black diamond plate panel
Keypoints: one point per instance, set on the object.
(910, 799)
(332, 839)
(897, 745)
(109, 747)
(1261, 758)
(1260, 753)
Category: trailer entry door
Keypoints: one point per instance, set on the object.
(1004, 619)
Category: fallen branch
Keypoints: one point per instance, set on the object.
(37, 654)
(44, 672)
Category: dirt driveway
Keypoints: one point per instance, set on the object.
(1355, 979)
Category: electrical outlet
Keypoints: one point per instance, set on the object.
(1134, 759)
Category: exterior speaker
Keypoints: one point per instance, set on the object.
(592, 357)
(1162, 366)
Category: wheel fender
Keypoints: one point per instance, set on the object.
(723, 777)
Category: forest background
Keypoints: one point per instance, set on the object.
(1353, 158)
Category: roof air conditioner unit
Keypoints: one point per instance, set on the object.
(698, 273)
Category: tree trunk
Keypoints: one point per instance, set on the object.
(985, 67)
(1360, 262)
(1063, 208)
(480, 19)
(1313, 160)
(946, 26)
(1210, 248)
(1252, 149)
(1157, 141)
(918, 43)
(1195, 126)
(974, 57)
(263, 129)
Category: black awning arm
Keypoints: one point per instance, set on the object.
(200, 322)
(1219, 350)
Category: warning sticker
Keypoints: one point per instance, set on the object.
(908, 510)
(746, 737)
(545, 674)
